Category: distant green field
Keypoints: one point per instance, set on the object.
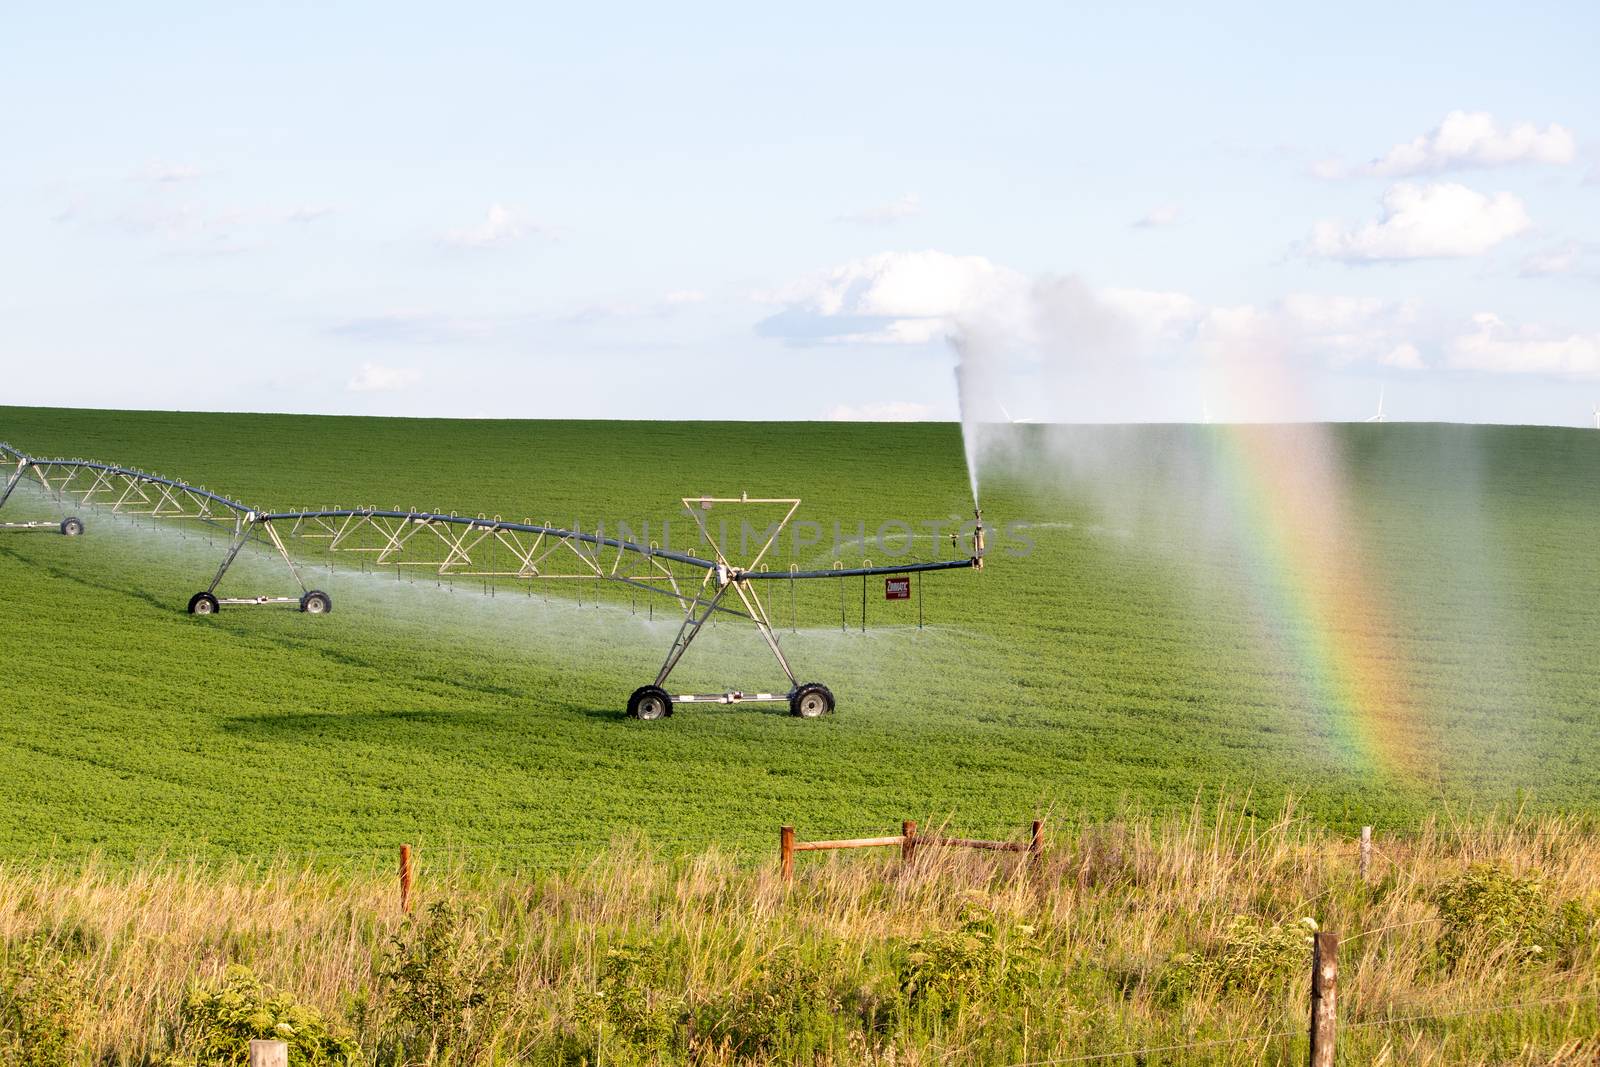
(1135, 655)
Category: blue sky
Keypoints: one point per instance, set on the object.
(709, 211)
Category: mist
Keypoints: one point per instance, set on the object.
(1266, 519)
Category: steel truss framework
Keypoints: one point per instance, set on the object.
(478, 547)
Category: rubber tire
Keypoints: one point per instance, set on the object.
(810, 701)
(203, 604)
(71, 527)
(649, 703)
(316, 602)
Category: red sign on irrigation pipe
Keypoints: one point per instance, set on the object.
(897, 589)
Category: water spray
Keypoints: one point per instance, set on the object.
(69, 526)
(487, 547)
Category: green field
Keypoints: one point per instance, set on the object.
(1132, 657)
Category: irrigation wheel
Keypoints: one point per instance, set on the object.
(71, 527)
(810, 701)
(203, 604)
(649, 702)
(316, 602)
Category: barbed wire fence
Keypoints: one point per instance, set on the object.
(579, 854)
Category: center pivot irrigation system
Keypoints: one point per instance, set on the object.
(478, 547)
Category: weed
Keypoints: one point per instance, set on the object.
(978, 959)
(219, 1023)
(446, 987)
(1488, 909)
(42, 1003)
(791, 1000)
(633, 1013)
(1253, 957)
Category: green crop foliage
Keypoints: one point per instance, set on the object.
(1139, 654)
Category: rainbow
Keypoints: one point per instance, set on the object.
(1306, 568)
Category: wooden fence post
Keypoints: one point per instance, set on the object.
(908, 847)
(1036, 843)
(1366, 852)
(786, 851)
(1324, 1013)
(269, 1054)
(405, 878)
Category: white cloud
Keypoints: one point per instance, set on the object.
(501, 226)
(1328, 329)
(1161, 215)
(1331, 329)
(885, 411)
(1403, 356)
(901, 207)
(900, 298)
(1156, 315)
(1351, 329)
(1493, 345)
(898, 332)
(1473, 139)
(893, 298)
(377, 378)
(1442, 220)
(1560, 260)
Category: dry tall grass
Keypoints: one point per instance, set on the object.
(1083, 958)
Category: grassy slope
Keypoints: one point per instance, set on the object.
(1130, 656)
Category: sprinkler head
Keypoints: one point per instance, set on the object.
(977, 539)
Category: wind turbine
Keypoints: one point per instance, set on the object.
(1007, 413)
(1597, 416)
(1379, 416)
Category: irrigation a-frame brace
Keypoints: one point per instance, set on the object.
(480, 546)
